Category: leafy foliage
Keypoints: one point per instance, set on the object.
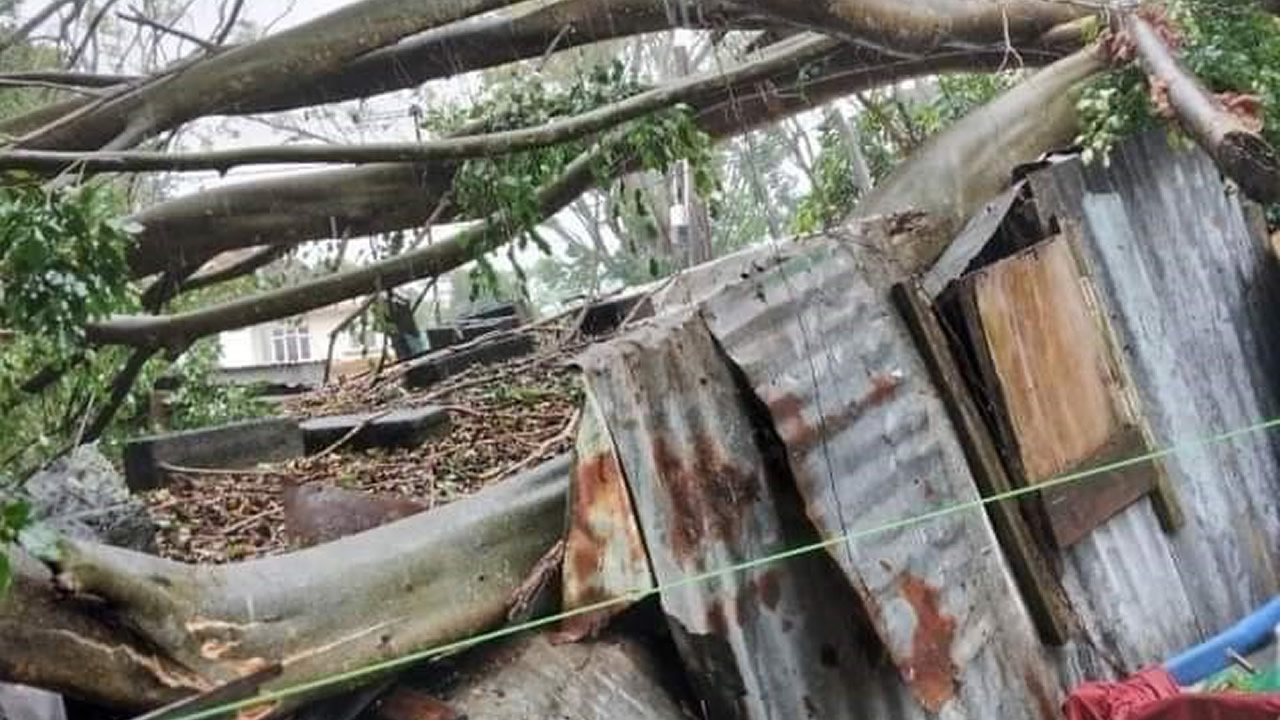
(14, 516)
(62, 254)
(510, 183)
(1231, 47)
(835, 190)
(199, 401)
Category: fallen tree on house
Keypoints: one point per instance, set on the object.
(191, 628)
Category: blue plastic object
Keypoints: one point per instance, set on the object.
(1210, 657)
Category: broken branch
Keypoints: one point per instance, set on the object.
(1239, 151)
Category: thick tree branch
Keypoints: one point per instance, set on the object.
(960, 168)
(736, 111)
(1239, 150)
(299, 55)
(790, 56)
(919, 27)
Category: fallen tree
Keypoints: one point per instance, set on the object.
(155, 630)
(408, 586)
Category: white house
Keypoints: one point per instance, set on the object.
(293, 351)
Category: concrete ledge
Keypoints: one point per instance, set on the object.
(237, 445)
(432, 369)
(407, 428)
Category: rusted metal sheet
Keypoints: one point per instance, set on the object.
(605, 558)
(779, 640)
(870, 443)
(1191, 291)
(1059, 397)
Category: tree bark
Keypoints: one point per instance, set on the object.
(967, 164)
(415, 584)
(1239, 151)
(912, 29)
(72, 646)
(344, 202)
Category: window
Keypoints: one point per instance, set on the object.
(290, 342)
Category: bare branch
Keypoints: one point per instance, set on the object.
(792, 54)
(120, 388)
(90, 33)
(22, 33)
(228, 23)
(67, 79)
(139, 19)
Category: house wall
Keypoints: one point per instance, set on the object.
(250, 347)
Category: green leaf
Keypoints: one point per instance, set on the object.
(6, 575)
(16, 515)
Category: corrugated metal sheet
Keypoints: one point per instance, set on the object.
(778, 641)
(870, 442)
(1193, 299)
(605, 558)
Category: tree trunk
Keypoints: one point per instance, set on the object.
(967, 164)
(417, 583)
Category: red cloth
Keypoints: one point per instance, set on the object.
(1217, 706)
(1153, 695)
(1120, 700)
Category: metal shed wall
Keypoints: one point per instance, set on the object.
(1190, 288)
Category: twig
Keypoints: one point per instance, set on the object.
(182, 470)
(119, 391)
(246, 522)
(36, 21)
(536, 455)
(352, 433)
(139, 19)
(342, 325)
(228, 24)
(463, 410)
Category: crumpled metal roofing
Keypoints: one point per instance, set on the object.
(777, 641)
(811, 335)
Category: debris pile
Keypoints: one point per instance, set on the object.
(505, 418)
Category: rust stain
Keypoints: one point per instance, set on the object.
(801, 435)
(929, 670)
(716, 620)
(708, 494)
(1047, 708)
(406, 704)
(601, 524)
(770, 589)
